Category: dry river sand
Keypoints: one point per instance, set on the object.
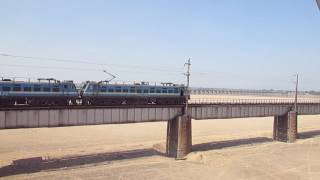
(223, 149)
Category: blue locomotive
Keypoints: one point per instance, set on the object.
(50, 92)
(103, 93)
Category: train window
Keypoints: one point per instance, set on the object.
(164, 91)
(27, 89)
(56, 89)
(176, 90)
(66, 86)
(16, 88)
(6, 88)
(103, 89)
(110, 90)
(151, 90)
(125, 90)
(36, 88)
(139, 91)
(145, 91)
(118, 89)
(170, 91)
(132, 90)
(46, 89)
(158, 90)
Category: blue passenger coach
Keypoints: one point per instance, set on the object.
(50, 92)
(103, 93)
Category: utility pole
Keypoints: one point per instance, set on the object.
(296, 94)
(188, 64)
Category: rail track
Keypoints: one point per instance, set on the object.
(26, 107)
(192, 102)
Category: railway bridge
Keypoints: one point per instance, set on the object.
(179, 136)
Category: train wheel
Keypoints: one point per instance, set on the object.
(73, 101)
(85, 102)
(152, 101)
(130, 101)
(9, 102)
(115, 102)
(43, 102)
(60, 102)
(123, 102)
(96, 102)
(160, 102)
(21, 101)
(29, 102)
(34, 102)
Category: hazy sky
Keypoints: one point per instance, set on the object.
(232, 43)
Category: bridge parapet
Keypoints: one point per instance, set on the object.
(223, 111)
(250, 101)
(24, 118)
(31, 118)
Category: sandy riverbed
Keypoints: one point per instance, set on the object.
(223, 149)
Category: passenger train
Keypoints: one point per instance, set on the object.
(51, 92)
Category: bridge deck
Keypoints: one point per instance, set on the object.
(71, 116)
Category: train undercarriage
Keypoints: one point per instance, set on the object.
(94, 101)
(132, 101)
(37, 101)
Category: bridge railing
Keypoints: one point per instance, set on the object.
(251, 101)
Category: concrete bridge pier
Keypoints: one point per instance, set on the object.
(285, 127)
(179, 138)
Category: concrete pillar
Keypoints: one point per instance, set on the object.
(179, 138)
(285, 127)
(292, 126)
(280, 128)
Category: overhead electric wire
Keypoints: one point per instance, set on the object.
(166, 69)
(70, 69)
(47, 67)
(76, 69)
